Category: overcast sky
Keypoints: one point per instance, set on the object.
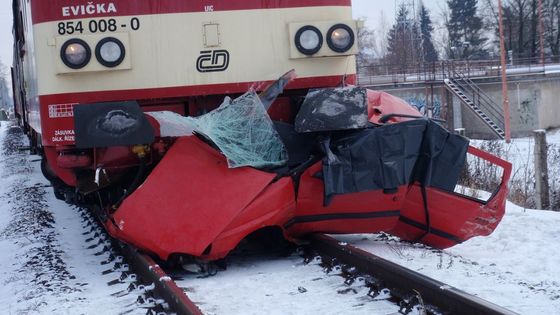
(6, 32)
(369, 9)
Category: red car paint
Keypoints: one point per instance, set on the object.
(207, 208)
(202, 198)
(453, 217)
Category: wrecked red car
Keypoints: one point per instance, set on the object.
(354, 161)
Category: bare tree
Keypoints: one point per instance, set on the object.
(368, 46)
(441, 35)
(534, 28)
(5, 98)
(517, 21)
(382, 33)
(551, 16)
(3, 70)
(521, 26)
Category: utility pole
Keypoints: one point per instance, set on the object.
(505, 96)
(542, 188)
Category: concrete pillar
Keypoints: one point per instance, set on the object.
(541, 170)
(457, 115)
(447, 108)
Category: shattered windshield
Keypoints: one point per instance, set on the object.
(243, 131)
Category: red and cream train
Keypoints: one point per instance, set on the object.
(76, 62)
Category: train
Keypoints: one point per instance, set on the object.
(188, 126)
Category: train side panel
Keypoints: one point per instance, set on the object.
(25, 68)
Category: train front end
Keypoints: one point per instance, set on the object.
(178, 56)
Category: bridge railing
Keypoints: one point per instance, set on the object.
(383, 73)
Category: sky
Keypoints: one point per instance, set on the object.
(371, 9)
(6, 32)
(368, 9)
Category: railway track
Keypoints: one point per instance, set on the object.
(410, 290)
(164, 286)
(157, 292)
(408, 287)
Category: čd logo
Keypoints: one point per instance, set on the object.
(212, 60)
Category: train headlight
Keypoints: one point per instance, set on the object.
(340, 38)
(75, 53)
(110, 52)
(308, 40)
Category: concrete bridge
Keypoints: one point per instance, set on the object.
(468, 94)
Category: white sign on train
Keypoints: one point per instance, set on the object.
(89, 9)
(63, 135)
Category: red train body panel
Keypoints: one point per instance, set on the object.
(87, 75)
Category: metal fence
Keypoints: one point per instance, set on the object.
(383, 73)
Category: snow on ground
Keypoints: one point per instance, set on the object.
(275, 285)
(46, 265)
(520, 152)
(517, 267)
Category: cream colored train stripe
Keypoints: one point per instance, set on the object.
(257, 41)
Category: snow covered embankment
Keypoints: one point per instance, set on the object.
(46, 265)
(517, 266)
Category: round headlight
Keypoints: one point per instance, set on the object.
(75, 53)
(308, 40)
(110, 52)
(340, 38)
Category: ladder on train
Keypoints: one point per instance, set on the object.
(477, 101)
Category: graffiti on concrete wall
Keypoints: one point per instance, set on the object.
(527, 114)
(420, 104)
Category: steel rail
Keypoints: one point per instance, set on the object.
(165, 287)
(446, 298)
(147, 270)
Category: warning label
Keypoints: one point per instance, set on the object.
(61, 110)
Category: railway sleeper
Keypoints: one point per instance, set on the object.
(408, 289)
(119, 255)
(407, 300)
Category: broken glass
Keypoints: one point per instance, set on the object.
(172, 124)
(243, 131)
